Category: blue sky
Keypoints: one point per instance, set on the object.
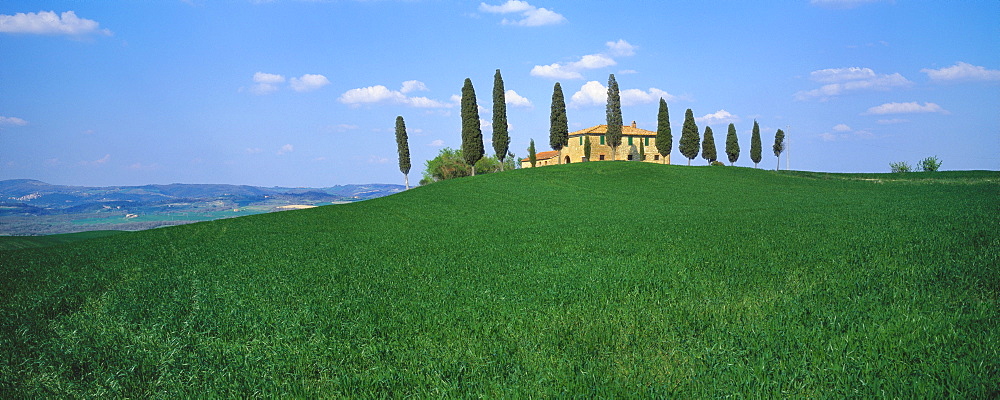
(305, 93)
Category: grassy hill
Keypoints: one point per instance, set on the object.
(583, 280)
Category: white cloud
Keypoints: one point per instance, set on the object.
(718, 117)
(621, 48)
(382, 94)
(841, 128)
(12, 121)
(842, 80)
(531, 15)
(286, 149)
(100, 161)
(308, 82)
(512, 98)
(377, 160)
(594, 93)
(555, 71)
(411, 86)
(49, 23)
(962, 72)
(266, 83)
(591, 93)
(437, 143)
(892, 121)
(631, 97)
(905, 108)
(253, 150)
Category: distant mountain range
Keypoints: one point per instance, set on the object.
(33, 207)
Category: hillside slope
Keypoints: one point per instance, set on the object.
(595, 279)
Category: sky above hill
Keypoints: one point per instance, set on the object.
(305, 93)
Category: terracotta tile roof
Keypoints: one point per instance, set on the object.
(627, 130)
(545, 155)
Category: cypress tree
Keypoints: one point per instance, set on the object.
(755, 146)
(664, 140)
(642, 150)
(558, 124)
(472, 134)
(614, 116)
(779, 146)
(501, 139)
(586, 148)
(403, 147)
(532, 156)
(732, 145)
(689, 137)
(708, 150)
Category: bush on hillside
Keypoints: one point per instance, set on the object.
(930, 164)
(450, 164)
(900, 167)
(718, 164)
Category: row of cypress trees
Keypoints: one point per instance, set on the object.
(472, 135)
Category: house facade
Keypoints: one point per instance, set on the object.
(632, 139)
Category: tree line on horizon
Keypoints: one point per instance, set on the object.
(472, 151)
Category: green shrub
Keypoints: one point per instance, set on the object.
(900, 167)
(930, 164)
(718, 164)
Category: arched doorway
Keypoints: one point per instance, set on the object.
(567, 159)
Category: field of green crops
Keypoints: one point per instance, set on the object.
(607, 280)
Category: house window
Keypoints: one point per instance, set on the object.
(602, 142)
(647, 141)
(630, 142)
(656, 157)
(630, 156)
(602, 155)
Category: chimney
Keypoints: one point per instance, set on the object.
(633, 124)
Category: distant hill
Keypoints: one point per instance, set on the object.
(33, 207)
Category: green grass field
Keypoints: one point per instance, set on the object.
(608, 280)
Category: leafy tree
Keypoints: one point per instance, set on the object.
(501, 139)
(472, 134)
(558, 124)
(779, 146)
(755, 146)
(689, 137)
(732, 145)
(708, 150)
(642, 151)
(930, 164)
(532, 156)
(403, 147)
(586, 148)
(664, 139)
(614, 116)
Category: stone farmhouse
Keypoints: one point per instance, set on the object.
(599, 150)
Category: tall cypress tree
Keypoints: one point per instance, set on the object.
(403, 147)
(779, 146)
(586, 148)
(664, 139)
(689, 137)
(642, 150)
(532, 156)
(558, 124)
(614, 116)
(732, 145)
(472, 134)
(755, 146)
(708, 150)
(501, 140)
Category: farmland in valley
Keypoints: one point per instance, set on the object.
(610, 279)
